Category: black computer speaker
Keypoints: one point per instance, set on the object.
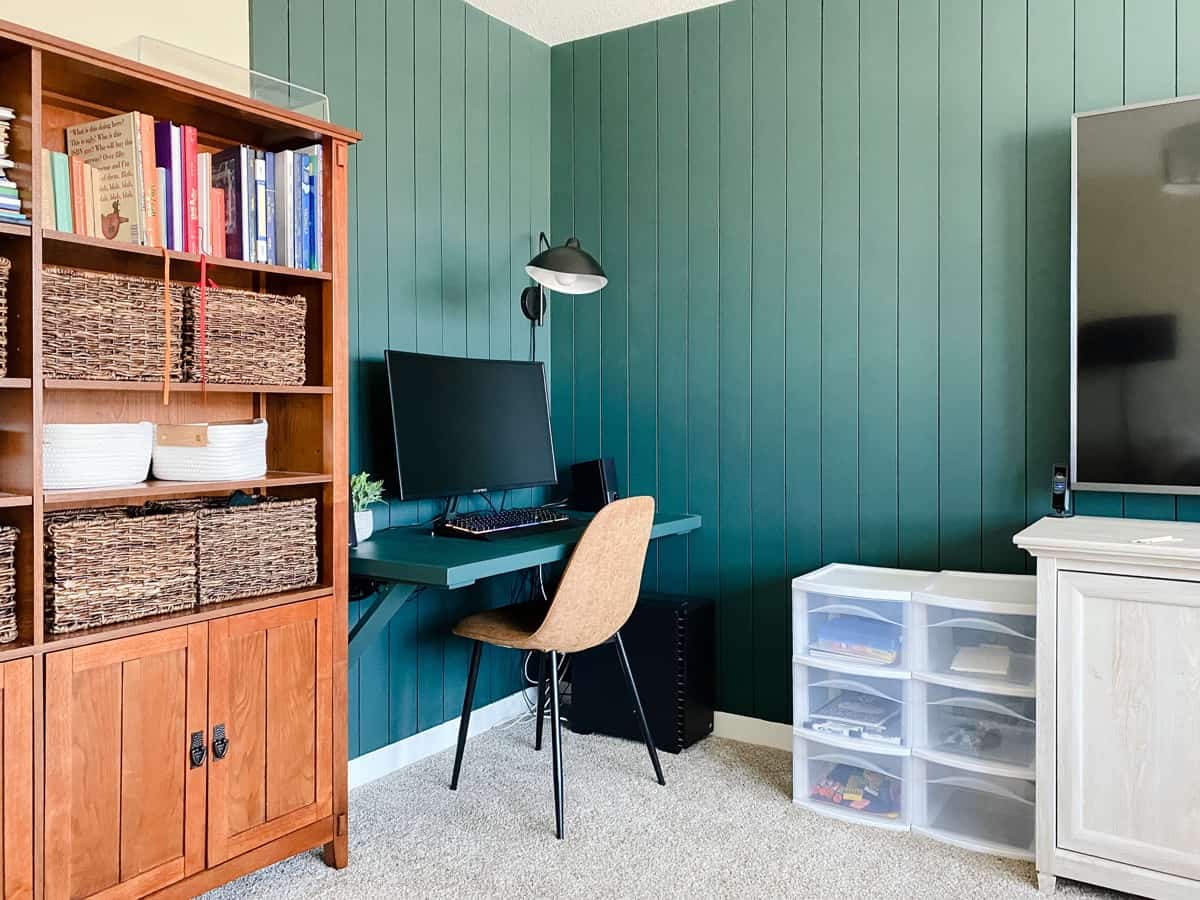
(594, 484)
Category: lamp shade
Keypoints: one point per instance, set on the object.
(567, 270)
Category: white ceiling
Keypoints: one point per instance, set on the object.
(558, 21)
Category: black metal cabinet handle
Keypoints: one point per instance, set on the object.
(220, 744)
(197, 751)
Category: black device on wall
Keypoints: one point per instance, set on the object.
(594, 484)
(670, 641)
(1060, 492)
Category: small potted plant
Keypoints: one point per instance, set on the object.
(364, 492)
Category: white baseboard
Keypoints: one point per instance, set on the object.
(386, 760)
(753, 731)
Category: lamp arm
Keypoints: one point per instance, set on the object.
(543, 240)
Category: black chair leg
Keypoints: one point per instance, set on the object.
(465, 722)
(541, 699)
(637, 706)
(556, 746)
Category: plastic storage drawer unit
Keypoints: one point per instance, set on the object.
(859, 787)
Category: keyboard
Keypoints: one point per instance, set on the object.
(490, 524)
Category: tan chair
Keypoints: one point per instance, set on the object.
(595, 598)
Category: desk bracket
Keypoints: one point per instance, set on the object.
(389, 597)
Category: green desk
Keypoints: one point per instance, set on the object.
(407, 560)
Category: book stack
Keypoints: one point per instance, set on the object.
(274, 205)
(10, 197)
(131, 178)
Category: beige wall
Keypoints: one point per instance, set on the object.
(218, 28)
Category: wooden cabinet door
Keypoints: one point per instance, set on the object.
(124, 804)
(16, 778)
(270, 681)
(1128, 722)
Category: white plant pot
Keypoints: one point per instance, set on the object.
(364, 524)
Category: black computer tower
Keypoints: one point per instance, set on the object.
(671, 644)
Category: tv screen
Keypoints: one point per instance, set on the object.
(1136, 349)
(464, 426)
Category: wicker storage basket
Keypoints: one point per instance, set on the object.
(247, 551)
(5, 268)
(100, 326)
(114, 565)
(8, 584)
(249, 338)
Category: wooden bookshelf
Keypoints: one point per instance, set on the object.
(53, 84)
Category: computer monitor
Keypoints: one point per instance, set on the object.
(465, 426)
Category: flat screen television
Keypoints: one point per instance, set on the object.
(1135, 286)
(465, 426)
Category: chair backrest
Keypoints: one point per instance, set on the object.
(599, 588)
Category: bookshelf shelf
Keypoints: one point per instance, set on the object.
(155, 387)
(15, 383)
(186, 617)
(8, 501)
(15, 230)
(61, 246)
(149, 490)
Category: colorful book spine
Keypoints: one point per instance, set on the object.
(298, 209)
(160, 179)
(191, 187)
(204, 197)
(60, 167)
(284, 216)
(91, 213)
(48, 216)
(216, 206)
(228, 177)
(306, 211)
(269, 161)
(79, 212)
(151, 200)
(166, 156)
(260, 206)
(316, 155)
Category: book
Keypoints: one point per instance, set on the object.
(317, 239)
(270, 206)
(78, 187)
(151, 198)
(160, 180)
(260, 206)
(168, 153)
(90, 210)
(986, 659)
(48, 220)
(298, 194)
(285, 250)
(60, 167)
(860, 638)
(304, 260)
(109, 147)
(191, 188)
(216, 207)
(229, 176)
(204, 197)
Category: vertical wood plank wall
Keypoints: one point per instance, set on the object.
(837, 325)
(448, 191)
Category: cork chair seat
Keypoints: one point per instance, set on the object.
(594, 599)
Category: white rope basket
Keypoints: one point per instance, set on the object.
(95, 456)
(233, 453)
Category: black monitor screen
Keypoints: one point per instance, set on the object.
(468, 425)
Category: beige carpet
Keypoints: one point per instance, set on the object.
(723, 826)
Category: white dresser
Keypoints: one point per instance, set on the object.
(1118, 703)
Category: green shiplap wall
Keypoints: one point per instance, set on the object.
(837, 321)
(448, 191)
